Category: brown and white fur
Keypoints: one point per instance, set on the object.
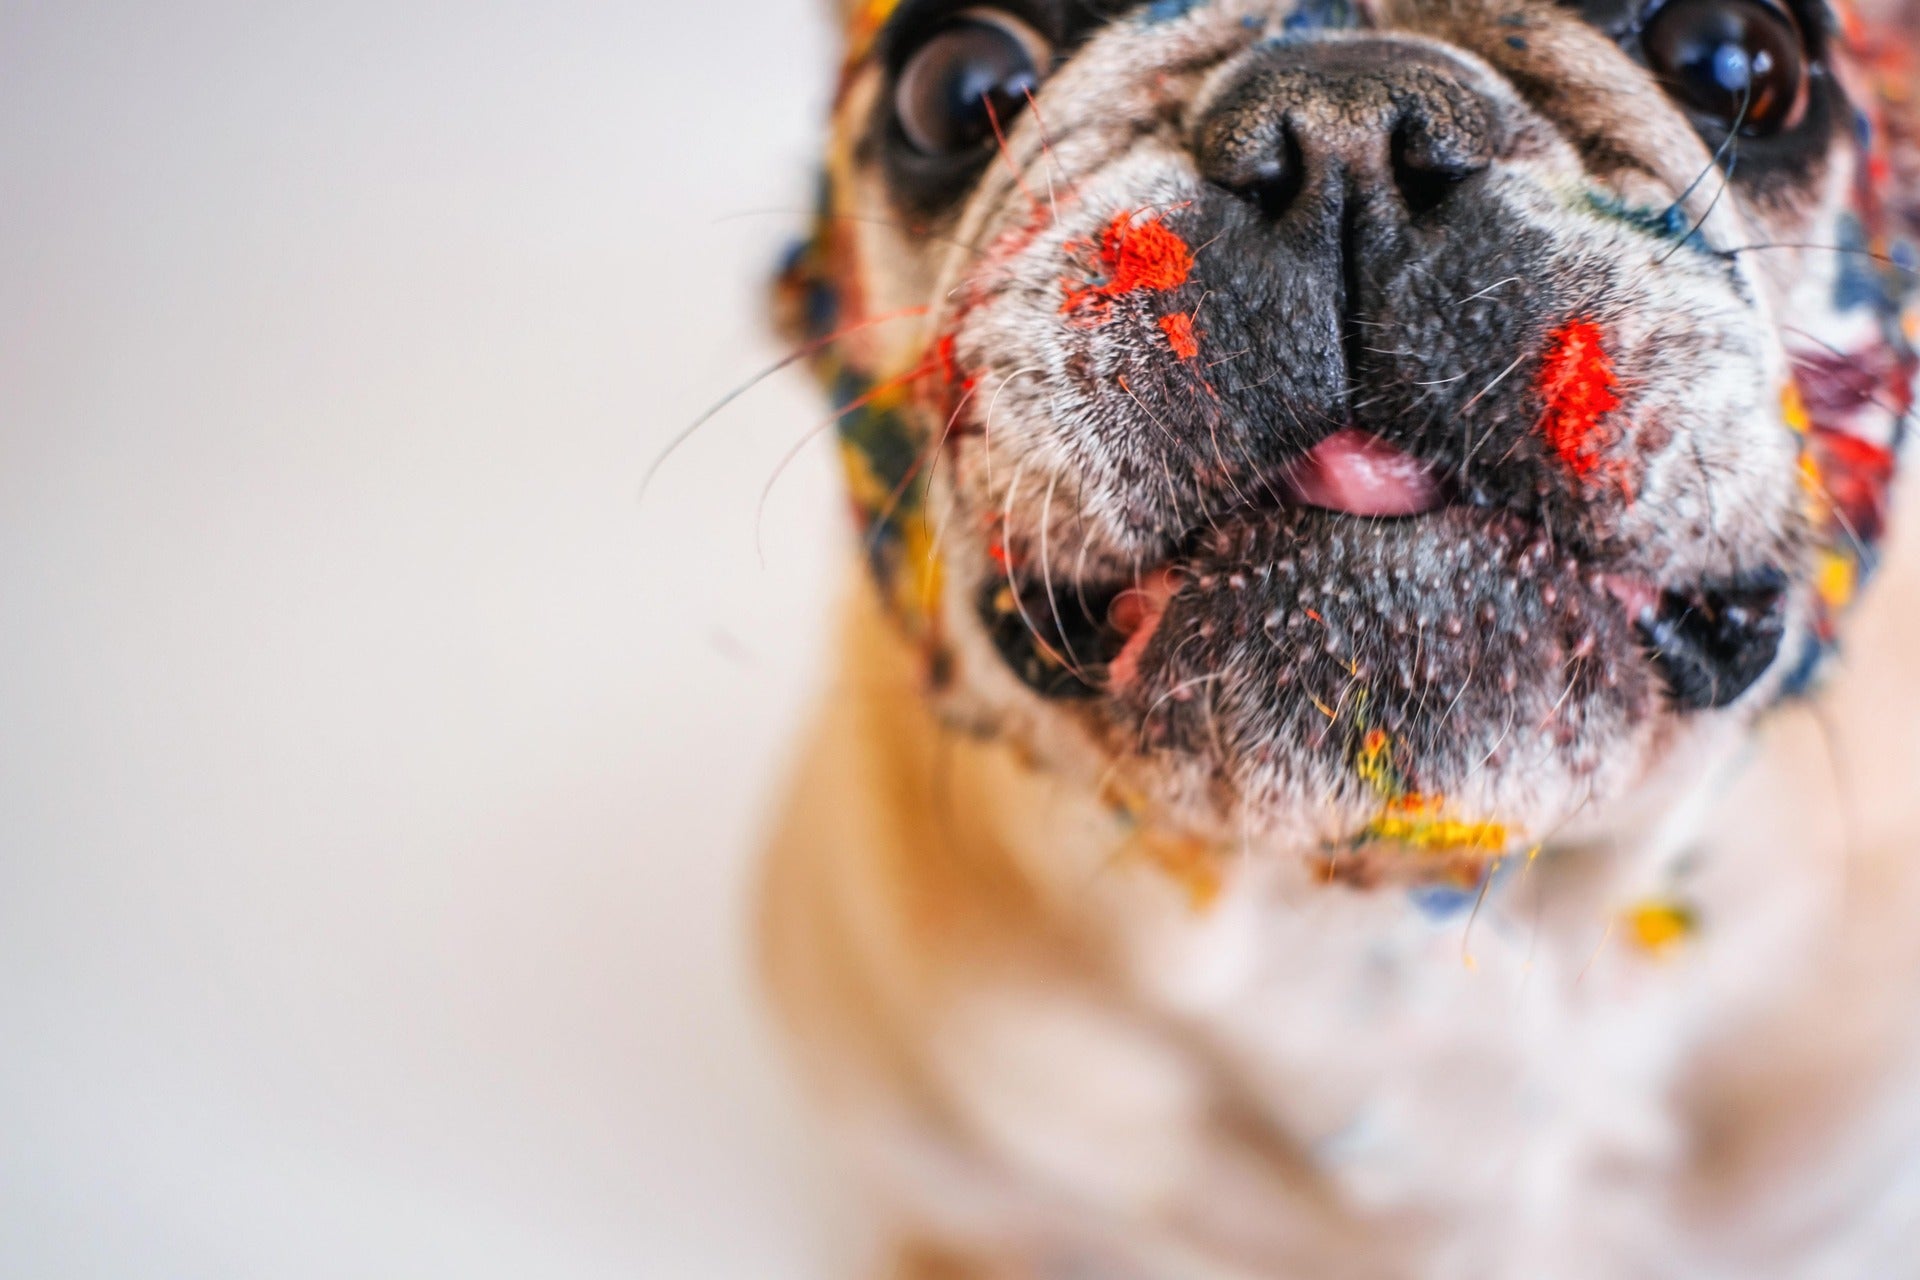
(1171, 1037)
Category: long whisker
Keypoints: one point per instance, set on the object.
(1053, 158)
(1173, 493)
(986, 426)
(1812, 247)
(1719, 155)
(1046, 579)
(1178, 691)
(1840, 517)
(986, 435)
(929, 457)
(1473, 446)
(1726, 182)
(1013, 584)
(814, 433)
(1006, 154)
(810, 349)
(892, 224)
(1849, 797)
(1539, 897)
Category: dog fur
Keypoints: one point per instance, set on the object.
(1201, 966)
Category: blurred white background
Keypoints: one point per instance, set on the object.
(379, 778)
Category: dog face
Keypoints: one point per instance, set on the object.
(1404, 424)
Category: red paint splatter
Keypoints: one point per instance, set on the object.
(946, 354)
(1144, 256)
(1857, 477)
(1578, 382)
(948, 393)
(1181, 335)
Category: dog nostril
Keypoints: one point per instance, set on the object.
(1714, 644)
(1270, 175)
(1426, 173)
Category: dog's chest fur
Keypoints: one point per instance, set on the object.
(1035, 1027)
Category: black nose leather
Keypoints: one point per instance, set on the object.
(1373, 121)
(1713, 645)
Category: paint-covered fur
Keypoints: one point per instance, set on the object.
(1188, 880)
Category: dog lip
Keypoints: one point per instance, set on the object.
(1639, 597)
(1356, 473)
(1136, 614)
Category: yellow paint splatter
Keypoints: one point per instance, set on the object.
(1837, 579)
(865, 488)
(1416, 821)
(916, 589)
(1813, 484)
(919, 588)
(1375, 763)
(1659, 928)
(1793, 408)
(1425, 827)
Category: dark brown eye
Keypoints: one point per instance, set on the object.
(1742, 64)
(975, 71)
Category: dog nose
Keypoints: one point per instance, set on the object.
(1377, 122)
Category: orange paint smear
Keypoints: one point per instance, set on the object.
(1146, 256)
(1181, 335)
(1581, 388)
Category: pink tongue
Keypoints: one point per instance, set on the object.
(1359, 473)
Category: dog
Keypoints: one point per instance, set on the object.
(1343, 764)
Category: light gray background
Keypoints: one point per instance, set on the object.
(378, 777)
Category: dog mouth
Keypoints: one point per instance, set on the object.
(1361, 564)
(1352, 473)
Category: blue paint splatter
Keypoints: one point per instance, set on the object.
(1321, 15)
(1803, 678)
(1170, 10)
(1441, 903)
(1669, 223)
(1861, 283)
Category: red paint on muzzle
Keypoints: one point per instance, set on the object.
(1136, 257)
(1181, 335)
(1581, 388)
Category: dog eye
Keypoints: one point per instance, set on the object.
(974, 72)
(1741, 63)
